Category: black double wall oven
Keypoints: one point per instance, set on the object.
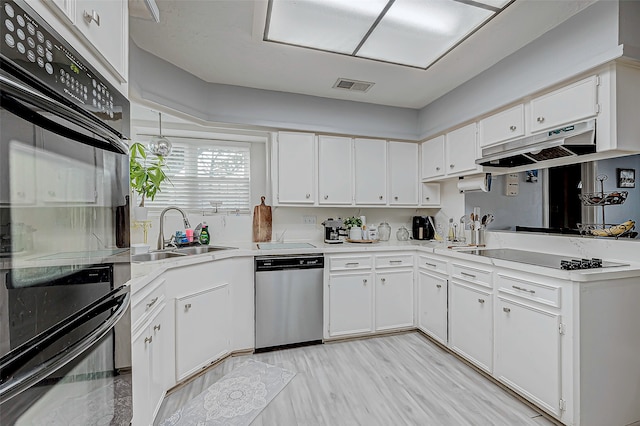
(65, 345)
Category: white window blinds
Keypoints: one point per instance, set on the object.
(205, 174)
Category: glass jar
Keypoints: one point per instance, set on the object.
(384, 231)
(402, 234)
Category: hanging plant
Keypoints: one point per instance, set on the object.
(146, 172)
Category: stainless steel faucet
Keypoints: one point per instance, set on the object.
(161, 240)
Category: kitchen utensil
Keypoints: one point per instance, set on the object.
(384, 231)
(262, 222)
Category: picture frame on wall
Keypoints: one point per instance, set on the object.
(626, 178)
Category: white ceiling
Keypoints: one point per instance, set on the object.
(220, 41)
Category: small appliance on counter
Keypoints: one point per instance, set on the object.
(422, 228)
(333, 231)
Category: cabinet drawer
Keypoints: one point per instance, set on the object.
(394, 261)
(340, 263)
(472, 274)
(431, 264)
(146, 300)
(543, 293)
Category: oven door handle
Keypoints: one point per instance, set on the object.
(19, 91)
(11, 385)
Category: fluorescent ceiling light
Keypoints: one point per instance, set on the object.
(414, 33)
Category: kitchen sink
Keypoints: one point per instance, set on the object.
(201, 249)
(155, 255)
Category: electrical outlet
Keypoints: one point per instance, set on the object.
(309, 220)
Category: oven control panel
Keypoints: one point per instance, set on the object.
(32, 46)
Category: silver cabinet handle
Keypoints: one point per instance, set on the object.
(395, 262)
(326, 197)
(523, 289)
(156, 327)
(395, 198)
(148, 339)
(507, 310)
(381, 197)
(351, 264)
(308, 195)
(540, 119)
(451, 166)
(433, 265)
(426, 198)
(383, 280)
(93, 16)
(187, 306)
(153, 302)
(512, 128)
(437, 169)
(468, 275)
(438, 285)
(481, 300)
(364, 281)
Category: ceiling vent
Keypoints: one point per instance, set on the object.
(353, 85)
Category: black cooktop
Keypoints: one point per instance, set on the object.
(543, 259)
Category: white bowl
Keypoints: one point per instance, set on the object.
(140, 248)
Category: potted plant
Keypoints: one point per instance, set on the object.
(354, 225)
(146, 176)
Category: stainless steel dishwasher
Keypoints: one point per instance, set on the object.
(288, 300)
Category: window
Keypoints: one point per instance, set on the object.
(206, 174)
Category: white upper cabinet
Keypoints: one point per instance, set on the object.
(334, 170)
(370, 171)
(567, 105)
(403, 173)
(104, 26)
(296, 168)
(433, 158)
(502, 126)
(461, 150)
(430, 194)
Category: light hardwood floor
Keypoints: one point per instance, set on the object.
(402, 379)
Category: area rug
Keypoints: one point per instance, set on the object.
(236, 399)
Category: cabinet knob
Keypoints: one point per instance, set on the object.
(437, 169)
(148, 339)
(326, 197)
(540, 119)
(383, 280)
(507, 310)
(364, 281)
(381, 197)
(93, 16)
(308, 195)
(481, 300)
(438, 285)
(512, 128)
(156, 327)
(395, 198)
(187, 306)
(426, 198)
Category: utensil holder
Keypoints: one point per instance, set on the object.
(478, 237)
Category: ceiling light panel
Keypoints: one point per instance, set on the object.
(418, 32)
(333, 25)
(499, 4)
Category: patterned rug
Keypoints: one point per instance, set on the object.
(236, 399)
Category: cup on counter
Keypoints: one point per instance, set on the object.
(189, 233)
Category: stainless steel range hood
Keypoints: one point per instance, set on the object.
(568, 141)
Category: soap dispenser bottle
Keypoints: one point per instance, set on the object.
(204, 234)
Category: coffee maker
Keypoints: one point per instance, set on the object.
(423, 228)
(333, 232)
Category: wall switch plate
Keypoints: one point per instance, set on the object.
(512, 183)
(309, 220)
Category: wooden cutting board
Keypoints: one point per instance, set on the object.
(262, 222)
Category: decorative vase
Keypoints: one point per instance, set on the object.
(355, 233)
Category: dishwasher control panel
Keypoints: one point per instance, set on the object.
(271, 263)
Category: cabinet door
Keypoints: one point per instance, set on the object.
(105, 24)
(572, 103)
(433, 158)
(394, 300)
(470, 324)
(502, 126)
(432, 305)
(158, 361)
(334, 170)
(403, 173)
(202, 321)
(140, 354)
(461, 150)
(296, 168)
(370, 171)
(350, 304)
(528, 352)
(430, 194)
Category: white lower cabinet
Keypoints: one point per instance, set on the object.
(202, 329)
(432, 305)
(471, 323)
(394, 299)
(350, 303)
(150, 345)
(528, 351)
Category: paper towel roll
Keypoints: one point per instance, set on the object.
(475, 183)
